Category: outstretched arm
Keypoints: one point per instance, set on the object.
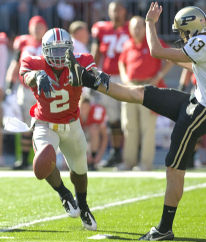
(156, 49)
(100, 81)
(131, 94)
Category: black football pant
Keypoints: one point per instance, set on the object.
(189, 117)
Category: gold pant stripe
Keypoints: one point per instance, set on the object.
(186, 138)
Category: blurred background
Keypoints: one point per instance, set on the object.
(14, 18)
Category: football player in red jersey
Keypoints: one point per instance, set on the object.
(108, 40)
(56, 117)
(93, 121)
(24, 45)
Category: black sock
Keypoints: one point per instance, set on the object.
(81, 199)
(25, 155)
(167, 219)
(61, 189)
(94, 153)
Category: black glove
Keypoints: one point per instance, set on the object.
(79, 76)
(75, 69)
(44, 83)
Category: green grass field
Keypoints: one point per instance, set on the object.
(124, 207)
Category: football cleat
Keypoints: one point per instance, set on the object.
(70, 205)
(155, 235)
(88, 220)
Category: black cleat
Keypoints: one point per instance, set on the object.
(88, 220)
(155, 235)
(70, 205)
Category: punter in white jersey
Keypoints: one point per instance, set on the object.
(188, 111)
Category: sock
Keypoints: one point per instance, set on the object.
(167, 219)
(61, 189)
(81, 199)
(25, 155)
(94, 153)
(117, 150)
(93, 156)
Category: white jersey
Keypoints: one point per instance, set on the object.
(196, 50)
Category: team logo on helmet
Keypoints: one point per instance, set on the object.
(187, 19)
(189, 22)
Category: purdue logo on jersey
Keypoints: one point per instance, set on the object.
(187, 19)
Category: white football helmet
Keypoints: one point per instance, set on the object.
(189, 22)
(54, 44)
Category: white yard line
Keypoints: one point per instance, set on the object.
(112, 174)
(109, 205)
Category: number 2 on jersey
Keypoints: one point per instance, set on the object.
(62, 104)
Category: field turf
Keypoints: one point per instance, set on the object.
(125, 207)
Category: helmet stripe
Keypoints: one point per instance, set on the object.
(61, 34)
(57, 32)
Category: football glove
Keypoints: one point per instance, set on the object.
(44, 83)
(79, 76)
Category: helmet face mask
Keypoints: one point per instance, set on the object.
(55, 42)
(189, 22)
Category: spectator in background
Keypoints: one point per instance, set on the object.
(108, 40)
(3, 68)
(25, 45)
(65, 12)
(24, 14)
(9, 16)
(138, 122)
(80, 36)
(93, 121)
(48, 10)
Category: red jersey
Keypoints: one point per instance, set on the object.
(27, 45)
(97, 115)
(111, 43)
(139, 64)
(63, 105)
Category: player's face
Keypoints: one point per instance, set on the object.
(56, 56)
(116, 12)
(137, 28)
(37, 30)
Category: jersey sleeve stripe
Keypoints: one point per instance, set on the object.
(90, 66)
(23, 70)
(188, 55)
